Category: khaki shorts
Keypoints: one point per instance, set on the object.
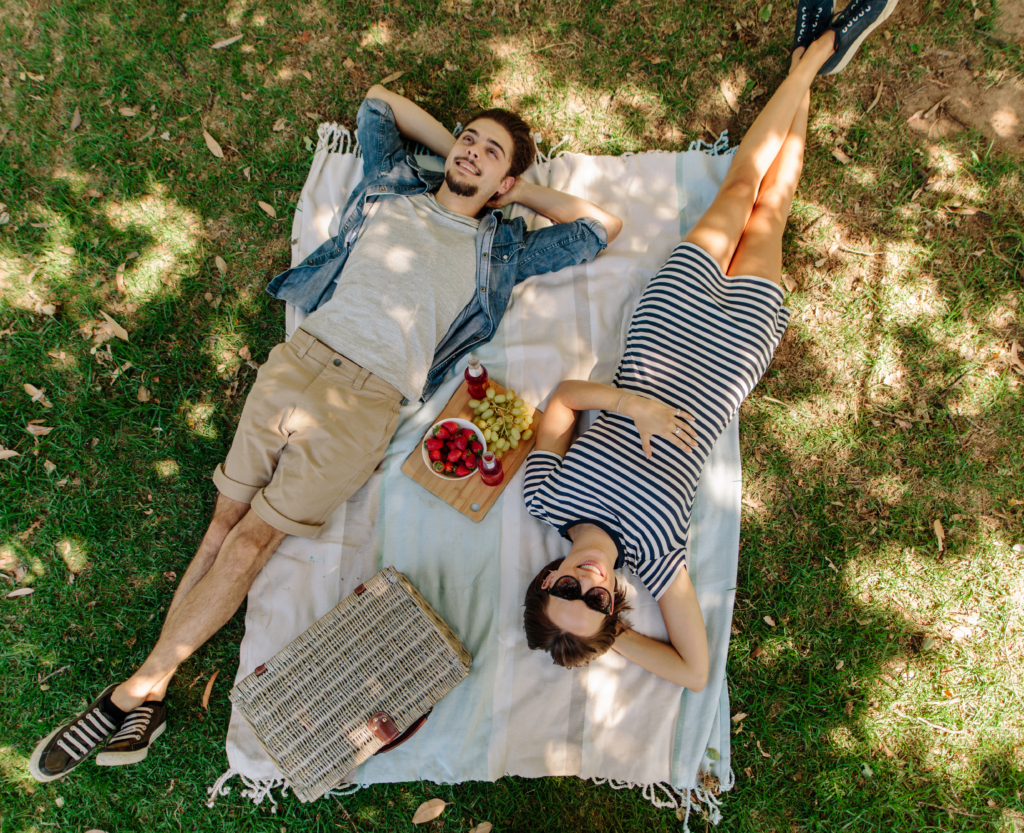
(313, 429)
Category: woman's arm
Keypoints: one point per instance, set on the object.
(649, 416)
(557, 206)
(684, 661)
(414, 122)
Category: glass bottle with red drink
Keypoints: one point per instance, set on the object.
(476, 378)
(491, 472)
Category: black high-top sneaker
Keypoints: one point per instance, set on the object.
(71, 743)
(143, 725)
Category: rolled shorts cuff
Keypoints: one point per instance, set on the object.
(268, 513)
(241, 492)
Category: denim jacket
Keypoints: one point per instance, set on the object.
(507, 253)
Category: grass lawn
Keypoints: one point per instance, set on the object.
(878, 668)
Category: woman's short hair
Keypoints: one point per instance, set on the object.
(567, 649)
(523, 149)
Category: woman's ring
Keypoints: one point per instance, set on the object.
(677, 430)
(678, 411)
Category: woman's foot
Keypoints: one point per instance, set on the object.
(812, 19)
(851, 26)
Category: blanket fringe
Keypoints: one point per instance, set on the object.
(720, 147)
(334, 138)
(674, 798)
(257, 791)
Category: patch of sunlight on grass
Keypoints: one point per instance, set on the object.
(842, 738)
(200, 420)
(235, 13)
(74, 554)
(14, 767)
(377, 34)
(865, 177)
(167, 469)
(176, 230)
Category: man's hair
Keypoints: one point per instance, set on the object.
(523, 150)
(567, 649)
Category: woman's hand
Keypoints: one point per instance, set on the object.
(652, 418)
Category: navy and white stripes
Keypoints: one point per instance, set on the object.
(699, 341)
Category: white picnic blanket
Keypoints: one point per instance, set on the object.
(517, 713)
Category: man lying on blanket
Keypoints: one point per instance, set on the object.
(420, 272)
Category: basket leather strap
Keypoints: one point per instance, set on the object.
(396, 740)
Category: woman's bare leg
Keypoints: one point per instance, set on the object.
(719, 230)
(760, 248)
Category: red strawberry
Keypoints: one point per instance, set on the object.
(451, 427)
(449, 468)
(461, 443)
(435, 455)
(454, 456)
(434, 444)
(442, 433)
(475, 447)
(461, 471)
(469, 460)
(468, 432)
(439, 467)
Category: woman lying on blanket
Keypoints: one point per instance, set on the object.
(702, 336)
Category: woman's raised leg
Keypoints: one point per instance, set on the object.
(719, 230)
(760, 248)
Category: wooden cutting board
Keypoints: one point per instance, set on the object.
(470, 496)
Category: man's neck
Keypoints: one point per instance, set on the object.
(466, 206)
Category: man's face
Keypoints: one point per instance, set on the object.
(480, 160)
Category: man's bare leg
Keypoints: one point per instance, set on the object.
(204, 607)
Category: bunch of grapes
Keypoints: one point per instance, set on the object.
(504, 420)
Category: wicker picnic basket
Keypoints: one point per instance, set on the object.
(351, 685)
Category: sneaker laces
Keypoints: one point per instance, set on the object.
(86, 733)
(134, 725)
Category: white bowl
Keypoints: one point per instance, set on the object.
(462, 423)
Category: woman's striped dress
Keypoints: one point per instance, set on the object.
(699, 341)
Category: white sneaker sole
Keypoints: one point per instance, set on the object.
(125, 758)
(890, 7)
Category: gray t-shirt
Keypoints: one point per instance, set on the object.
(408, 276)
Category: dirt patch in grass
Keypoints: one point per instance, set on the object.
(1011, 18)
(959, 97)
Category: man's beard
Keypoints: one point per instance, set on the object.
(460, 189)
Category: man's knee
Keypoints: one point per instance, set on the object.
(253, 542)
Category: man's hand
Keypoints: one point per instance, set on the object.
(414, 122)
(556, 205)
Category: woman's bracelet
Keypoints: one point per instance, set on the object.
(620, 401)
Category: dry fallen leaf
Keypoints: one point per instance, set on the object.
(940, 533)
(428, 811)
(246, 172)
(348, 63)
(769, 621)
(840, 664)
(67, 250)
(483, 827)
(839, 154)
(49, 466)
(212, 144)
(221, 264)
(37, 395)
(965, 210)
(143, 395)
(38, 430)
(227, 42)
(307, 75)
(280, 124)
(119, 277)
(208, 689)
(128, 112)
(394, 76)
(763, 753)
(736, 718)
(21, 591)
(878, 96)
(267, 207)
(116, 328)
(832, 566)
(7, 453)
(729, 96)
(245, 354)
(76, 119)
(246, 96)
(1015, 361)
(790, 284)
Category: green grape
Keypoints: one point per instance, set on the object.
(480, 424)
(510, 394)
(527, 434)
(519, 403)
(490, 393)
(473, 403)
(516, 434)
(514, 443)
(500, 398)
(517, 411)
(488, 413)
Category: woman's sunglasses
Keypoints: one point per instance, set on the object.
(596, 598)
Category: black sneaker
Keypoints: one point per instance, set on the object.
(71, 743)
(852, 25)
(812, 20)
(143, 725)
